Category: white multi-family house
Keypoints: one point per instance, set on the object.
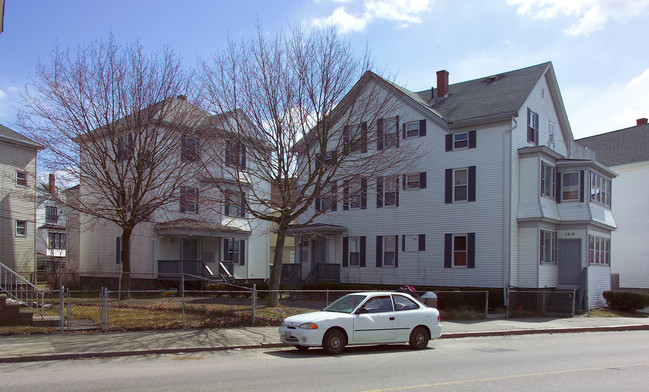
(52, 228)
(501, 197)
(198, 230)
(18, 201)
(626, 151)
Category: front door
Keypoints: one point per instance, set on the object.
(569, 262)
(319, 251)
(188, 256)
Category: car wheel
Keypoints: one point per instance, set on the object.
(419, 338)
(302, 348)
(333, 342)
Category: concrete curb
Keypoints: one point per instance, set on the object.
(452, 335)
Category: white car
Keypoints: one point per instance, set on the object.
(364, 318)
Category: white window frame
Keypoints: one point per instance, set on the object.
(532, 122)
(456, 252)
(51, 214)
(355, 196)
(413, 181)
(191, 201)
(390, 132)
(548, 180)
(21, 179)
(599, 250)
(189, 149)
(354, 251)
(548, 243)
(551, 127)
(600, 189)
(459, 185)
(389, 249)
(570, 188)
(235, 154)
(233, 253)
(21, 228)
(460, 141)
(56, 241)
(390, 189)
(235, 204)
(412, 129)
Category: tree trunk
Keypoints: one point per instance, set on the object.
(126, 263)
(276, 272)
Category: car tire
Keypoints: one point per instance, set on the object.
(419, 338)
(334, 342)
(302, 348)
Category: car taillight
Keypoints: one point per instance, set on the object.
(439, 317)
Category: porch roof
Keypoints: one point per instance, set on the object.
(191, 227)
(315, 230)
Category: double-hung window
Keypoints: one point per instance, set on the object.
(548, 247)
(532, 127)
(570, 186)
(460, 140)
(389, 250)
(21, 178)
(600, 189)
(235, 154)
(412, 129)
(599, 250)
(56, 241)
(125, 147)
(391, 191)
(548, 176)
(460, 250)
(460, 184)
(188, 199)
(355, 194)
(51, 214)
(354, 251)
(390, 132)
(21, 228)
(234, 251)
(234, 204)
(189, 151)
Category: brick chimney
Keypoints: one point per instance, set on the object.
(442, 83)
(641, 121)
(52, 184)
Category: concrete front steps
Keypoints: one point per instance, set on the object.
(14, 314)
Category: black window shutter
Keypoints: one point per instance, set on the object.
(318, 204)
(470, 254)
(364, 136)
(541, 232)
(396, 251)
(403, 243)
(226, 248)
(345, 251)
(242, 206)
(346, 134)
(404, 180)
(558, 190)
(422, 242)
(363, 194)
(182, 199)
(581, 186)
(379, 251)
(472, 175)
(334, 197)
(422, 180)
(448, 186)
(403, 130)
(396, 187)
(379, 134)
(422, 128)
(472, 139)
(346, 196)
(379, 192)
(226, 208)
(448, 250)
(449, 142)
(396, 132)
(530, 131)
(536, 129)
(242, 252)
(363, 253)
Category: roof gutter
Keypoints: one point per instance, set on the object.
(482, 120)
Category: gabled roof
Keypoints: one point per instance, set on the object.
(621, 147)
(486, 97)
(10, 136)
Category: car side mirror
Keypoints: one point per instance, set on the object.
(362, 311)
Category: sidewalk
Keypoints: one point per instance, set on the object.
(88, 345)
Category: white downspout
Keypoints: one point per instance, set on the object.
(507, 209)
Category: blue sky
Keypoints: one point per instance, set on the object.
(600, 48)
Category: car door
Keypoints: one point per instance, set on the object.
(409, 316)
(375, 321)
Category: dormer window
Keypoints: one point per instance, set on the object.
(532, 127)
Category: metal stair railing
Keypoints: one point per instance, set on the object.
(21, 290)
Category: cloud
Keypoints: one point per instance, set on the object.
(592, 14)
(3, 95)
(584, 104)
(403, 12)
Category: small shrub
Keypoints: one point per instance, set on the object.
(626, 300)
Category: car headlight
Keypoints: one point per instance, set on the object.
(309, 326)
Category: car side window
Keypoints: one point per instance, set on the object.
(379, 305)
(403, 303)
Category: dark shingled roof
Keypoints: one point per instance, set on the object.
(490, 96)
(7, 134)
(621, 147)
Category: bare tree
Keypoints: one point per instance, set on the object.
(302, 105)
(117, 119)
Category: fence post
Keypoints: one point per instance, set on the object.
(61, 308)
(254, 304)
(486, 305)
(69, 309)
(182, 294)
(508, 302)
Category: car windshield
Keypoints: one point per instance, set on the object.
(345, 304)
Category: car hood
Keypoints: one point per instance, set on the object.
(313, 317)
